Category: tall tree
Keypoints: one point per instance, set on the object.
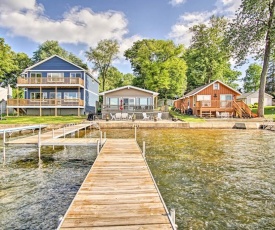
(270, 79)
(208, 57)
(102, 57)
(158, 65)
(49, 48)
(253, 33)
(252, 78)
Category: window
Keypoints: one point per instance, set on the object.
(38, 96)
(55, 77)
(52, 95)
(36, 74)
(75, 75)
(113, 101)
(226, 100)
(36, 77)
(145, 101)
(205, 99)
(70, 96)
(216, 86)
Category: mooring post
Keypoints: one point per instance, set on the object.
(173, 217)
(64, 132)
(4, 147)
(143, 149)
(100, 138)
(39, 145)
(97, 147)
(135, 132)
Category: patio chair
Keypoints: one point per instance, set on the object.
(159, 116)
(218, 114)
(145, 117)
(124, 116)
(113, 117)
(118, 116)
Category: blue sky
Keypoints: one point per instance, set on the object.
(79, 24)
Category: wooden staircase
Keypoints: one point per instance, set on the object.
(243, 110)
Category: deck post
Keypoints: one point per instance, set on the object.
(173, 216)
(100, 138)
(4, 147)
(143, 149)
(39, 145)
(97, 147)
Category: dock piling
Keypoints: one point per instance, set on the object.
(173, 217)
(4, 147)
(100, 138)
(97, 147)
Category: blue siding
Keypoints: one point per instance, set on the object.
(55, 63)
(66, 74)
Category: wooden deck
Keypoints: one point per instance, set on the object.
(118, 193)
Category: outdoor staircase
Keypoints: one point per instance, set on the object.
(21, 111)
(243, 110)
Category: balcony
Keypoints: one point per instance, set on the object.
(44, 102)
(50, 81)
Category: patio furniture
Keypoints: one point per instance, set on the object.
(124, 116)
(159, 116)
(145, 117)
(113, 117)
(118, 116)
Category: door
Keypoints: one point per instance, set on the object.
(226, 100)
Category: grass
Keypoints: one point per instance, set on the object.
(269, 112)
(22, 120)
(186, 118)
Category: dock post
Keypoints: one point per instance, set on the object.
(39, 145)
(173, 217)
(135, 132)
(53, 136)
(85, 131)
(97, 147)
(105, 136)
(4, 147)
(143, 149)
(64, 132)
(100, 138)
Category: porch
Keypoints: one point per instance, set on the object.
(50, 81)
(44, 102)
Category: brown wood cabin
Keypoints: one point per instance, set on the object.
(215, 99)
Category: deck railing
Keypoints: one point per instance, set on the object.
(45, 102)
(214, 104)
(128, 108)
(51, 81)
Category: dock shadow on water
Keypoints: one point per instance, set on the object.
(215, 179)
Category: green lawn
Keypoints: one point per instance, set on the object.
(42, 120)
(269, 112)
(186, 118)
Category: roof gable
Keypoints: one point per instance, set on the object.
(129, 87)
(199, 89)
(54, 63)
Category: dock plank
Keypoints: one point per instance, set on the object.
(118, 193)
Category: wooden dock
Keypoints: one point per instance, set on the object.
(52, 136)
(119, 192)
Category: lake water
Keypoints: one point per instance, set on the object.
(215, 179)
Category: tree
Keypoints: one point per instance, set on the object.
(11, 64)
(253, 33)
(7, 60)
(102, 57)
(50, 48)
(270, 79)
(252, 78)
(208, 57)
(158, 66)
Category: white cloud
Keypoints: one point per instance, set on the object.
(17, 5)
(180, 31)
(177, 2)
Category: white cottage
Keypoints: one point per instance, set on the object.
(252, 98)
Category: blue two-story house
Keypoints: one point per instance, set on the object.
(56, 87)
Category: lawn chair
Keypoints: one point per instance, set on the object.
(159, 116)
(145, 117)
(124, 116)
(113, 117)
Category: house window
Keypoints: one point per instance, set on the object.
(113, 101)
(216, 86)
(75, 75)
(36, 74)
(52, 95)
(205, 99)
(38, 96)
(226, 100)
(55, 77)
(36, 77)
(69, 96)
